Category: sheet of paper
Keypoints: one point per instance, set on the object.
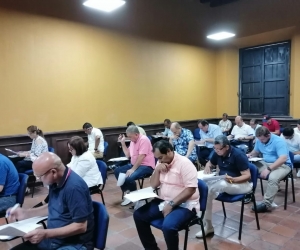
(9, 150)
(200, 144)
(119, 159)
(209, 177)
(13, 156)
(254, 159)
(121, 179)
(141, 194)
(156, 136)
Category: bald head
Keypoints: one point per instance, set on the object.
(176, 128)
(45, 162)
(239, 121)
(175, 125)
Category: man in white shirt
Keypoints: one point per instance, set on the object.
(297, 129)
(95, 140)
(241, 134)
(292, 140)
(167, 133)
(225, 124)
(254, 125)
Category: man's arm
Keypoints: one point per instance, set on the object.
(184, 195)
(125, 149)
(280, 161)
(155, 177)
(228, 126)
(276, 132)
(138, 162)
(277, 129)
(97, 142)
(190, 148)
(245, 176)
(253, 153)
(21, 213)
(295, 153)
(67, 231)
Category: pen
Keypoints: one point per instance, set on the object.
(229, 180)
(13, 209)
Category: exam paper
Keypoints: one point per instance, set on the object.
(254, 159)
(119, 159)
(209, 177)
(9, 150)
(141, 194)
(121, 179)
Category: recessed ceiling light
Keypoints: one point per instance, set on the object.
(104, 5)
(220, 36)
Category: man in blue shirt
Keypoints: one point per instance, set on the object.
(70, 210)
(276, 163)
(9, 183)
(233, 163)
(208, 133)
(183, 141)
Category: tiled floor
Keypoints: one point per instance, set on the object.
(280, 229)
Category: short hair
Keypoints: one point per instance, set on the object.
(254, 121)
(78, 144)
(262, 131)
(129, 124)
(132, 129)
(221, 140)
(203, 122)
(298, 122)
(33, 128)
(87, 125)
(288, 131)
(176, 125)
(163, 146)
(167, 121)
(225, 114)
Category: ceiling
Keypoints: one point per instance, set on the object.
(180, 21)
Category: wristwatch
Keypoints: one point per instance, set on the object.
(269, 169)
(171, 203)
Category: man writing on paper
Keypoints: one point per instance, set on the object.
(95, 140)
(233, 163)
(70, 210)
(142, 160)
(177, 178)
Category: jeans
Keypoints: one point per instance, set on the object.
(140, 172)
(7, 202)
(47, 245)
(172, 223)
(22, 166)
(204, 155)
(273, 182)
(296, 158)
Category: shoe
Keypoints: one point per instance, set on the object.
(207, 232)
(260, 208)
(298, 174)
(125, 202)
(247, 199)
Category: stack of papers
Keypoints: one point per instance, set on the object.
(156, 136)
(119, 159)
(209, 177)
(254, 159)
(9, 150)
(141, 194)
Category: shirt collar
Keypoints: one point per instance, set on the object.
(63, 179)
(174, 159)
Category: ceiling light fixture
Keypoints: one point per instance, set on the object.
(104, 5)
(220, 36)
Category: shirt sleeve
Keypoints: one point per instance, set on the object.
(233, 131)
(97, 133)
(189, 175)
(250, 131)
(242, 162)
(82, 166)
(38, 148)
(144, 147)
(217, 132)
(229, 125)
(3, 174)
(189, 136)
(281, 148)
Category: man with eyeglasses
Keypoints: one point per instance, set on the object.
(70, 211)
(233, 163)
(95, 140)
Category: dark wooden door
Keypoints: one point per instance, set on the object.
(264, 79)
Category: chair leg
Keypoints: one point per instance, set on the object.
(241, 220)
(255, 210)
(33, 186)
(186, 238)
(261, 187)
(142, 184)
(102, 197)
(224, 211)
(286, 191)
(6, 220)
(203, 234)
(293, 187)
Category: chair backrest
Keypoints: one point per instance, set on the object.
(292, 159)
(23, 178)
(150, 137)
(197, 134)
(50, 149)
(101, 219)
(203, 191)
(105, 148)
(254, 174)
(103, 170)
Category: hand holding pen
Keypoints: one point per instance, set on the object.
(228, 178)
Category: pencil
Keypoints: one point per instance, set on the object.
(229, 180)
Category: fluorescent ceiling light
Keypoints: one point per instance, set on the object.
(220, 36)
(104, 5)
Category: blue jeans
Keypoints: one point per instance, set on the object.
(22, 166)
(205, 155)
(7, 202)
(172, 223)
(47, 244)
(139, 173)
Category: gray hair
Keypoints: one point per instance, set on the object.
(221, 140)
(176, 125)
(132, 129)
(254, 121)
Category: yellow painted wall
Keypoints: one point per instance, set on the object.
(58, 75)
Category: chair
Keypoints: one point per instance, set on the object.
(224, 197)
(105, 149)
(23, 178)
(286, 179)
(197, 134)
(101, 219)
(99, 188)
(50, 149)
(203, 191)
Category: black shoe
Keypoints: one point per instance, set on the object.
(247, 199)
(260, 208)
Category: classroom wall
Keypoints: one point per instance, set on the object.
(58, 74)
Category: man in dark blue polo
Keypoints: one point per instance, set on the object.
(9, 183)
(233, 163)
(70, 210)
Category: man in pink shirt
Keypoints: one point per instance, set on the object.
(179, 197)
(142, 160)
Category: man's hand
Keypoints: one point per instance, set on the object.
(35, 236)
(240, 139)
(174, 137)
(264, 173)
(22, 154)
(129, 172)
(207, 170)
(162, 167)
(229, 179)
(121, 138)
(167, 209)
(202, 141)
(249, 155)
(17, 214)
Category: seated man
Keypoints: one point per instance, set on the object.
(225, 124)
(167, 133)
(271, 124)
(183, 141)
(9, 183)
(276, 164)
(142, 131)
(254, 125)
(234, 164)
(142, 160)
(208, 133)
(242, 134)
(297, 129)
(179, 196)
(292, 140)
(70, 210)
(95, 140)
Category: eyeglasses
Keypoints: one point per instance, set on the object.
(218, 149)
(40, 176)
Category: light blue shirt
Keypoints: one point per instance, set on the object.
(168, 132)
(275, 148)
(212, 132)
